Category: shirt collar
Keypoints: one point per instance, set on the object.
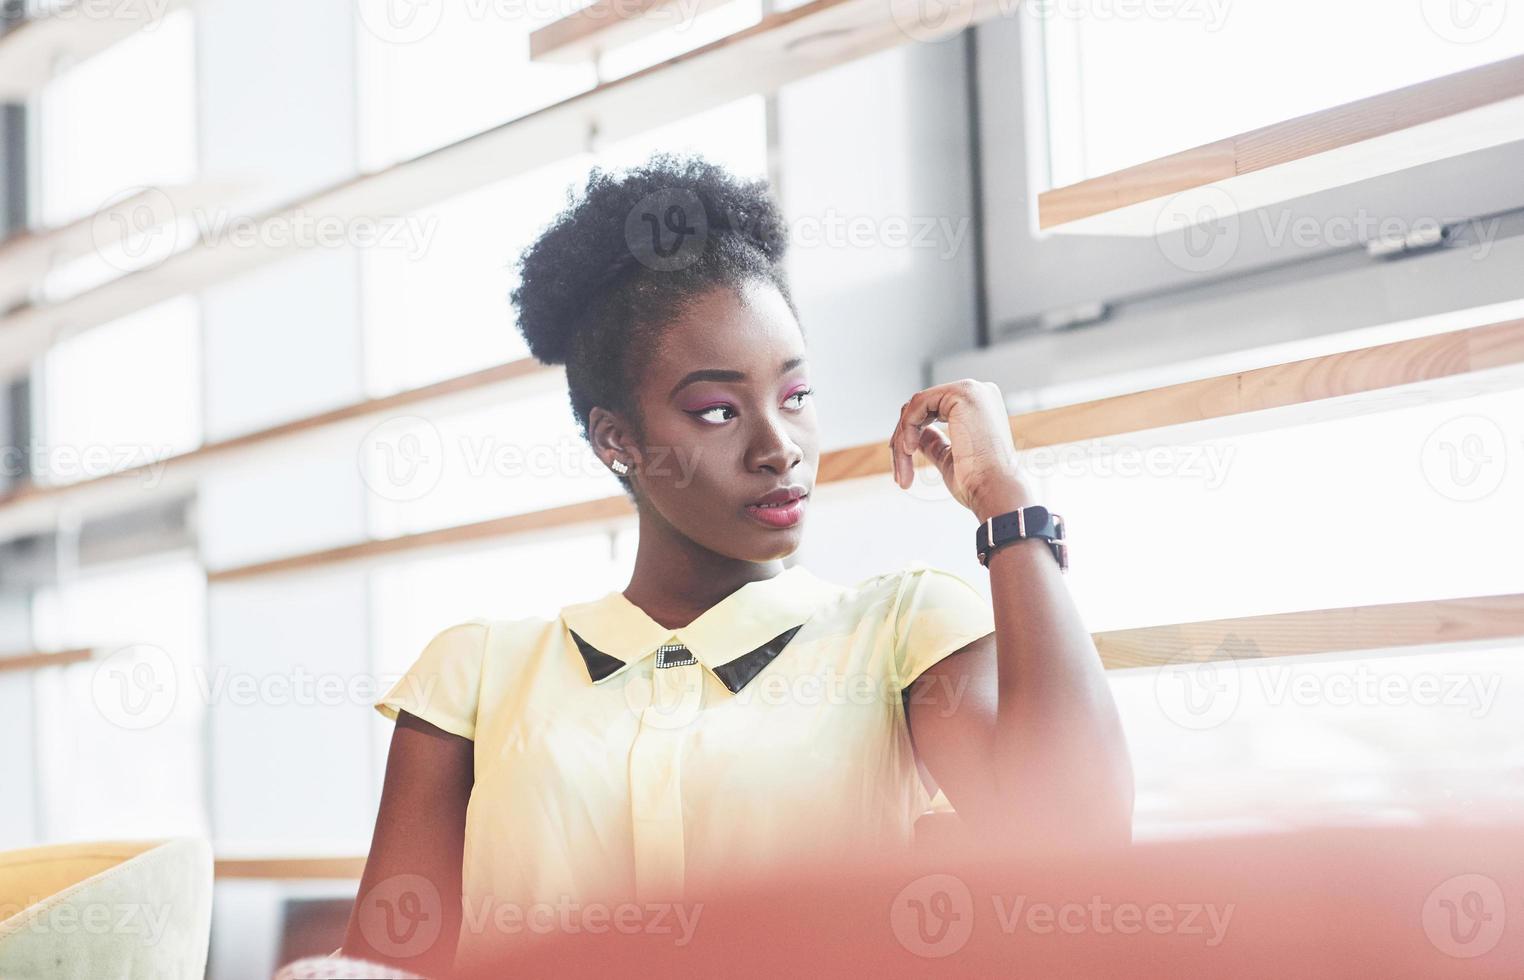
(735, 638)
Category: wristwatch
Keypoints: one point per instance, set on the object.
(1035, 521)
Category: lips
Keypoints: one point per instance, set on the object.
(783, 495)
(781, 508)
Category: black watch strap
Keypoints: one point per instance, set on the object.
(1035, 521)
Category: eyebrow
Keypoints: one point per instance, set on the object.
(721, 374)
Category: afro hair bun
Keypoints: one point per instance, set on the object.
(667, 215)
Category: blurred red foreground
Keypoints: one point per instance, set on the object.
(1360, 902)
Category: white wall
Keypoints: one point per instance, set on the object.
(898, 160)
(277, 87)
(877, 308)
(18, 824)
(276, 84)
(290, 723)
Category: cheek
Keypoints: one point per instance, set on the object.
(707, 469)
(676, 469)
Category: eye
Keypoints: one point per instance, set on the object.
(801, 393)
(711, 409)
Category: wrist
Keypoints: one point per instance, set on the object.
(1000, 497)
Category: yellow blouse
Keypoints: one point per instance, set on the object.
(616, 759)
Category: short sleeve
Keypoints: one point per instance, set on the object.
(937, 613)
(442, 685)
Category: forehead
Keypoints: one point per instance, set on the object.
(752, 331)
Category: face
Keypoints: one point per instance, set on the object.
(729, 418)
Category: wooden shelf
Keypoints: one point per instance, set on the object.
(1355, 382)
(579, 515)
(31, 506)
(1315, 631)
(1430, 121)
(289, 868)
(1438, 366)
(38, 659)
(28, 256)
(606, 24)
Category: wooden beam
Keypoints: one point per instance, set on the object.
(38, 659)
(1369, 371)
(285, 868)
(1393, 131)
(606, 24)
(1406, 362)
(29, 255)
(1435, 362)
(493, 376)
(1402, 624)
(779, 49)
(582, 514)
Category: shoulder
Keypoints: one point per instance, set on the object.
(914, 588)
(912, 576)
(486, 638)
(933, 607)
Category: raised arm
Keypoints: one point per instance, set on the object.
(1018, 727)
(412, 876)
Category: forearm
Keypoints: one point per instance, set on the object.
(412, 877)
(1058, 747)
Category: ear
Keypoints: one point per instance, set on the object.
(612, 437)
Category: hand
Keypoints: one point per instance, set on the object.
(976, 456)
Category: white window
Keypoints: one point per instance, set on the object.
(439, 308)
(1129, 81)
(524, 455)
(120, 121)
(434, 73)
(122, 394)
(119, 742)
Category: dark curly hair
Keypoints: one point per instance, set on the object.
(604, 277)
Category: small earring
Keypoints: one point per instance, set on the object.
(620, 467)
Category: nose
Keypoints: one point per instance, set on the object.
(774, 447)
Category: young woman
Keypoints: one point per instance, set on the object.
(725, 713)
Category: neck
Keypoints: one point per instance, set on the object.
(675, 580)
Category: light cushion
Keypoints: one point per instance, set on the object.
(115, 910)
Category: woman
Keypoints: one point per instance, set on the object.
(723, 713)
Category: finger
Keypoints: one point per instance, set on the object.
(898, 460)
(921, 412)
(923, 408)
(899, 456)
(937, 447)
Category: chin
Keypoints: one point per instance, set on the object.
(774, 545)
